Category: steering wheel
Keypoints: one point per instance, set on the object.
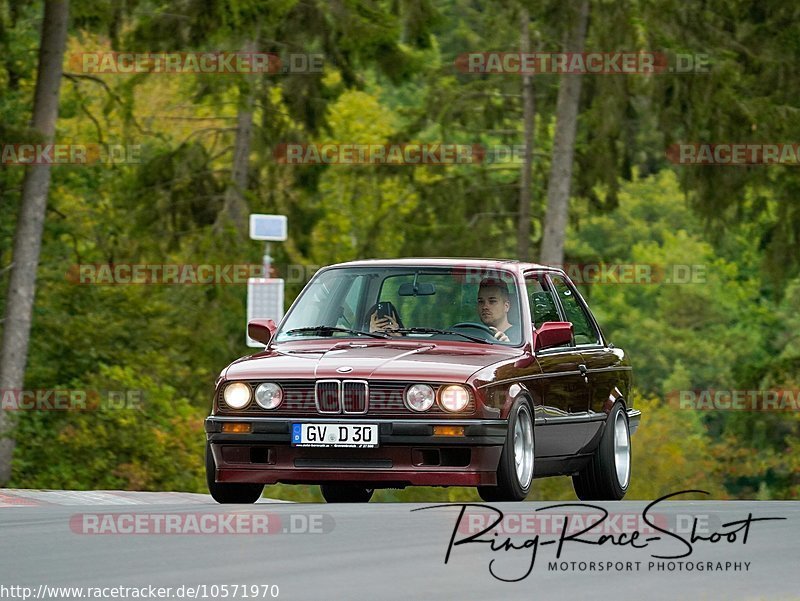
(476, 325)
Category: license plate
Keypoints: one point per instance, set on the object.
(354, 436)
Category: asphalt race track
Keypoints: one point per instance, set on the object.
(387, 551)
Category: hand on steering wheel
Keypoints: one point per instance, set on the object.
(501, 336)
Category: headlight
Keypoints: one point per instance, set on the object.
(420, 397)
(269, 395)
(236, 395)
(453, 398)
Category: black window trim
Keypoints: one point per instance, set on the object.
(525, 337)
(601, 343)
(561, 312)
(544, 275)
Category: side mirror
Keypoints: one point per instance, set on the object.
(261, 330)
(552, 333)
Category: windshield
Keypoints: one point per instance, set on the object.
(465, 304)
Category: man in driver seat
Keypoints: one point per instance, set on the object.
(493, 306)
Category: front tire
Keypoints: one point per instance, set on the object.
(608, 474)
(345, 493)
(515, 471)
(229, 492)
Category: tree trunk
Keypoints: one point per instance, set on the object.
(528, 116)
(558, 188)
(30, 223)
(235, 208)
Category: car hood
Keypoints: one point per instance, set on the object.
(432, 361)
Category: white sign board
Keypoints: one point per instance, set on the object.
(264, 301)
(272, 228)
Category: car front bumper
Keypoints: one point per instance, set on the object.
(409, 453)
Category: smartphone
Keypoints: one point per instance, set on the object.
(383, 310)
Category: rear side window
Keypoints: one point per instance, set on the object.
(582, 326)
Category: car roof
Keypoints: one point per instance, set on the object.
(510, 264)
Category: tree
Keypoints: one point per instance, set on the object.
(30, 223)
(745, 93)
(235, 207)
(528, 119)
(558, 188)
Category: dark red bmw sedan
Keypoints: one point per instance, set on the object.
(436, 372)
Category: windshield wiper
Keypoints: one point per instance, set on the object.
(335, 329)
(438, 331)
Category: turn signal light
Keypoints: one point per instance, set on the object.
(448, 430)
(236, 428)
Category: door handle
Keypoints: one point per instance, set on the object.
(584, 372)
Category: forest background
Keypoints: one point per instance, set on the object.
(207, 154)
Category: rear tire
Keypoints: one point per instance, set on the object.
(515, 471)
(608, 474)
(229, 492)
(345, 493)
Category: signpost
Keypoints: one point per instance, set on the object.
(265, 295)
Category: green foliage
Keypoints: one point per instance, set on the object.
(693, 309)
(155, 444)
(361, 209)
(389, 76)
(716, 331)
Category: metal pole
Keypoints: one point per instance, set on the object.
(267, 261)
